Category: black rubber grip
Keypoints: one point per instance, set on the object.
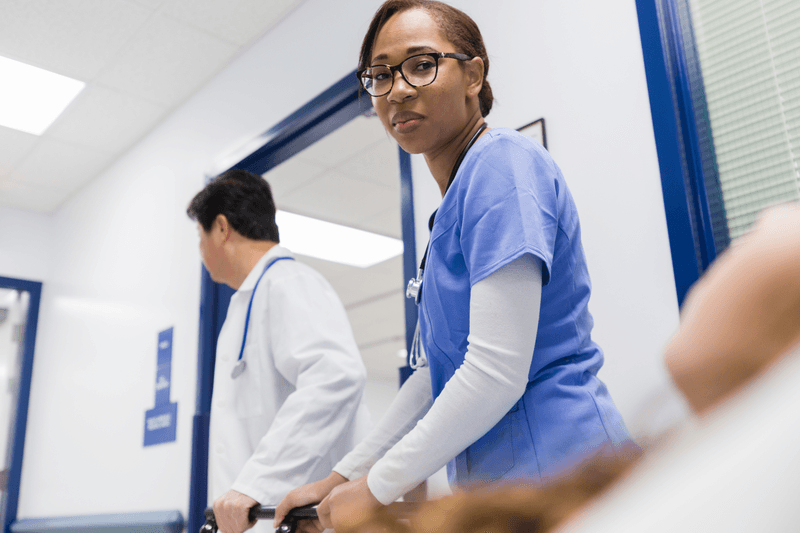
(263, 512)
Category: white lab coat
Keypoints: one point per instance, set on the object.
(297, 408)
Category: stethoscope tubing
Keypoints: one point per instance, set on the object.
(414, 289)
(240, 363)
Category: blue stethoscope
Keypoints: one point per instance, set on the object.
(241, 364)
(414, 288)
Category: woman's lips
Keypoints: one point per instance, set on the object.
(405, 121)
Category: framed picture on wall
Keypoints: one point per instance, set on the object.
(536, 131)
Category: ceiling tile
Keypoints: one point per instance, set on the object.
(390, 269)
(40, 199)
(106, 119)
(359, 286)
(333, 197)
(167, 61)
(291, 175)
(384, 223)
(382, 361)
(385, 313)
(346, 142)
(150, 4)
(367, 130)
(379, 163)
(237, 21)
(60, 165)
(365, 288)
(328, 269)
(370, 336)
(14, 145)
(76, 38)
(376, 200)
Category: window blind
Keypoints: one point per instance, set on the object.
(749, 53)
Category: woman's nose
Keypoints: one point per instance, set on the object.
(401, 89)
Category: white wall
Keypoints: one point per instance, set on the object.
(25, 244)
(124, 263)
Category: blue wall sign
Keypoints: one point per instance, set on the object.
(161, 422)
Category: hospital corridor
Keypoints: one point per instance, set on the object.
(399, 266)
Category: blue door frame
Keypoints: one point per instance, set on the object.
(333, 108)
(687, 170)
(16, 444)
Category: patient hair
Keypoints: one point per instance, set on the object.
(510, 508)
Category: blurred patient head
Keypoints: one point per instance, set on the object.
(235, 216)
(743, 314)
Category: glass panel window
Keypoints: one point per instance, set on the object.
(749, 53)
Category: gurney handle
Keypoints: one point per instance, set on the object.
(263, 512)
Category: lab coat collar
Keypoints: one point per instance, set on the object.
(252, 277)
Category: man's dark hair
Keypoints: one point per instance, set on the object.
(246, 201)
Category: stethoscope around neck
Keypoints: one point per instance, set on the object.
(417, 358)
(241, 364)
(414, 288)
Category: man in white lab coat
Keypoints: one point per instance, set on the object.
(288, 381)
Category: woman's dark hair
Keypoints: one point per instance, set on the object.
(246, 201)
(457, 26)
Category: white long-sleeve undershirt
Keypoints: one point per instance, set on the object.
(417, 436)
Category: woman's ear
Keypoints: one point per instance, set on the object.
(474, 70)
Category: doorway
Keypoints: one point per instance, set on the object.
(19, 315)
(321, 162)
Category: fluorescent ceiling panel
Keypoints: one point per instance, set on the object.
(32, 98)
(333, 242)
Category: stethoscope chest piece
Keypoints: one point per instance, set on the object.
(415, 288)
(238, 369)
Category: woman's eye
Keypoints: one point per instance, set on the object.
(424, 65)
(380, 76)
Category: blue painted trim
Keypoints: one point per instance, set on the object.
(409, 250)
(333, 108)
(673, 124)
(702, 125)
(198, 484)
(687, 122)
(152, 522)
(16, 444)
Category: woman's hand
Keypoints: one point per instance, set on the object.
(348, 505)
(305, 495)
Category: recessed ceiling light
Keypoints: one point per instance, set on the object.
(333, 242)
(32, 98)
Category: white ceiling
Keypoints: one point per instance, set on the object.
(143, 58)
(140, 59)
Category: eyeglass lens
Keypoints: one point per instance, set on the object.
(417, 71)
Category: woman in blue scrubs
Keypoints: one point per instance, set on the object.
(506, 386)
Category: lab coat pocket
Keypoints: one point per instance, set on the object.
(492, 456)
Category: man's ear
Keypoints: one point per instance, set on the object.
(222, 226)
(474, 68)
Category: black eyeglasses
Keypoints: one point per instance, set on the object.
(418, 71)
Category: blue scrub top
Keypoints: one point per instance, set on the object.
(509, 199)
